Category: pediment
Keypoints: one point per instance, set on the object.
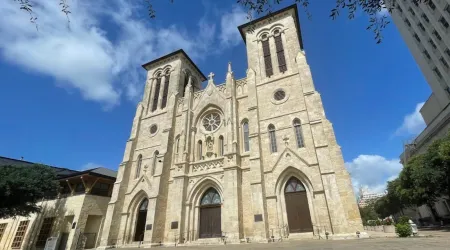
(142, 183)
(211, 94)
(288, 156)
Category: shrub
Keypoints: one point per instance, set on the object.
(371, 223)
(403, 220)
(403, 230)
(378, 223)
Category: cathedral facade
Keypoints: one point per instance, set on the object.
(247, 160)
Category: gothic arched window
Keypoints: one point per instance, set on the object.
(245, 136)
(280, 51)
(273, 138)
(199, 150)
(177, 145)
(166, 90)
(298, 133)
(186, 82)
(221, 147)
(155, 156)
(266, 53)
(156, 93)
(211, 197)
(138, 167)
(294, 185)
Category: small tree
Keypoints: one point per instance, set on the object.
(21, 187)
(368, 213)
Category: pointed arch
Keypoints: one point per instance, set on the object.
(245, 135)
(138, 167)
(298, 132)
(155, 156)
(221, 146)
(272, 138)
(165, 90)
(156, 93)
(141, 218)
(199, 150)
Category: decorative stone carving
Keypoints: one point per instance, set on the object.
(204, 166)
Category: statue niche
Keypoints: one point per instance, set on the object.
(210, 147)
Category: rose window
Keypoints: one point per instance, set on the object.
(211, 121)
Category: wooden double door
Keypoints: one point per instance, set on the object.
(210, 222)
(297, 208)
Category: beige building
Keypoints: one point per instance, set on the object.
(426, 30)
(238, 161)
(75, 215)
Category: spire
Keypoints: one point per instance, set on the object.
(229, 67)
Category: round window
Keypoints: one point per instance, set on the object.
(211, 121)
(279, 95)
(153, 129)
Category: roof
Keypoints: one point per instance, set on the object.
(172, 54)
(60, 172)
(99, 172)
(296, 19)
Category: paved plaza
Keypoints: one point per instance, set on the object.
(435, 239)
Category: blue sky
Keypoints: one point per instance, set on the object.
(68, 96)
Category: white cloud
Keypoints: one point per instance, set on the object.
(101, 66)
(90, 165)
(229, 22)
(413, 123)
(372, 172)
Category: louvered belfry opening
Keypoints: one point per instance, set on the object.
(267, 59)
(280, 53)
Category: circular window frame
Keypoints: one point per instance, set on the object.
(286, 96)
(150, 129)
(214, 111)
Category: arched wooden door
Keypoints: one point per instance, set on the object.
(140, 221)
(210, 215)
(297, 208)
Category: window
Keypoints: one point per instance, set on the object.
(267, 59)
(279, 95)
(186, 82)
(155, 156)
(280, 53)
(211, 197)
(294, 185)
(101, 189)
(79, 188)
(2, 229)
(272, 138)
(199, 150)
(431, 4)
(443, 22)
(411, 11)
(444, 62)
(211, 121)
(425, 18)
(407, 22)
(20, 234)
(432, 44)
(425, 52)
(45, 231)
(138, 167)
(416, 4)
(447, 9)
(421, 26)
(156, 95)
(399, 8)
(178, 145)
(416, 37)
(153, 129)
(221, 148)
(245, 133)
(447, 51)
(166, 90)
(436, 34)
(438, 73)
(298, 133)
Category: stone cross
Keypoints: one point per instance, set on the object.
(211, 75)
